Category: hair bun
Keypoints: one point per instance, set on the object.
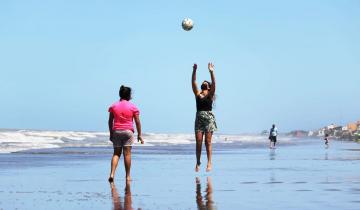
(125, 92)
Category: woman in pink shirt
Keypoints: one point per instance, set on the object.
(121, 116)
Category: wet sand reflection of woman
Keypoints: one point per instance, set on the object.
(117, 203)
(209, 203)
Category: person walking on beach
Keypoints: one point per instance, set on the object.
(121, 116)
(205, 123)
(326, 139)
(273, 136)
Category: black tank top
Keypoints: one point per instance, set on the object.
(203, 104)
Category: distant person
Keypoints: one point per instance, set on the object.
(121, 116)
(205, 123)
(273, 136)
(326, 139)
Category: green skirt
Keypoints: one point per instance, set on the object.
(205, 122)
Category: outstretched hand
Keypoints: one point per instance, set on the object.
(195, 67)
(211, 67)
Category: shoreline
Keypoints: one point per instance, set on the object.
(297, 176)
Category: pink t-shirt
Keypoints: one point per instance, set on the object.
(124, 112)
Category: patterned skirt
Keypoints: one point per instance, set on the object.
(205, 122)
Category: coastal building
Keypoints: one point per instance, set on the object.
(298, 133)
(351, 131)
(329, 127)
(352, 127)
(321, 132)
(337, 130)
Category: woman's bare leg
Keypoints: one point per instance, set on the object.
(208, 137)
(115, 196)
(114, 162)
(199, 140)
(127, 161)
(199, 197)
(209, 192)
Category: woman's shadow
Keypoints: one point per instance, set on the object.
(118, 203)
(209, 203)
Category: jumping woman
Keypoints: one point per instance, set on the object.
(205, 123)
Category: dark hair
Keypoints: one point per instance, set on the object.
(125, 93)
(203, 86)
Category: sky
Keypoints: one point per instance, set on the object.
(292, 63)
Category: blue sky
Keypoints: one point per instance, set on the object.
(293, 63)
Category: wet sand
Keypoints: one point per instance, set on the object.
(303, 176)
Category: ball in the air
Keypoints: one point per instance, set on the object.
(187, 24)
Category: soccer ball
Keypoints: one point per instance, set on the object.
(187, 24)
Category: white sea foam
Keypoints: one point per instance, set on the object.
(19, 140)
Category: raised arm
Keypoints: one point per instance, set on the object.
(193, 81)
(138, 128)
(110, 123)
(213, 82)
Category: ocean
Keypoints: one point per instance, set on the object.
(69, 170)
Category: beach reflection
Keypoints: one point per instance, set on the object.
(272, 154)
(209, 203)
(118, 204)
(272, 177)
(326, 157)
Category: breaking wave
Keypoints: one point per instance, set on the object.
(20, 140)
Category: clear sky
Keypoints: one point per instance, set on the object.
(293, 63)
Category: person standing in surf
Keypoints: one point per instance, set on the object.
(273, 136)
(121, 116)
(205, 123)
(326, 139)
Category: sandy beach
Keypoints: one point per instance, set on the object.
(302, 175)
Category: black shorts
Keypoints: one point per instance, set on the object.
(272, 138)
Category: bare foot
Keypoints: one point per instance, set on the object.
(208, 167)
(197, 168)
